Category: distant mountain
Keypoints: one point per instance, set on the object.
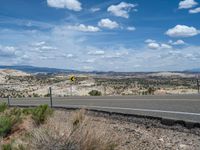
(33, 69)
(193, 70)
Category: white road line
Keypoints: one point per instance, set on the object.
(34, 100)
(135, 109)
(121, 108)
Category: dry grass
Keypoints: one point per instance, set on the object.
(79, 130)
(76, 132)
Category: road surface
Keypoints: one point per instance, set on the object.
(181, 107)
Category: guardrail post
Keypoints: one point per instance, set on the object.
(50, 94)
(8, 101)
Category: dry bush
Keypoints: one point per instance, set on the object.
(76, 132)
(78, 117)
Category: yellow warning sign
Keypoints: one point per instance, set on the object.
(72, 78)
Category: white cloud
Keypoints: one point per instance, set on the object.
(182, 31)
(153, 45)
(67, 42)
(39, 43)
(66, 55)
(47, 48)
(111, 54)
(178, 42)
(41, 47)
(25, 57)
(186, 4)
(120, 54)
(150, 41)
(84, 28)
(27, 23)
(194, 11)
(95, 9)
(89, 61)
(165, 46)
(98, 52)
(131, 28)
(70, 55)
(7, 51)
(69, 4)
(121, 10)
(107, 23)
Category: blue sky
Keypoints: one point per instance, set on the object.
(114, 35)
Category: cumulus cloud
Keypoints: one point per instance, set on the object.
(69, 4)
(121, 10)
(194, 11)
(186, 4)
(84, 28)
(153, 45)
(182, 31)
(178, 42)
(131, 28)
(66, 41)
(98, 52)
(107, 23)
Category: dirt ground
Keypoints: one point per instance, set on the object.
(128, 133)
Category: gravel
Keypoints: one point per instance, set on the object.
(148, 134)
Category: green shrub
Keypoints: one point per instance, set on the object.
(95, 93)
(15, 111)
(5, 125)
(3, 107)
(15, 115)
(47, 95)
(41, 113)
(151, 90)
(7, 147)
(27, 111)
(35, 95)
(21, 147)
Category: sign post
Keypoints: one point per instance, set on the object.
(72, 79)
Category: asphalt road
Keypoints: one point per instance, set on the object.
(181, 107)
